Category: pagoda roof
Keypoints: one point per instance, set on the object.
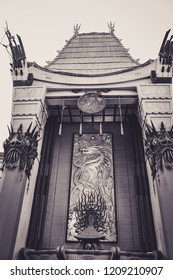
(93, 54)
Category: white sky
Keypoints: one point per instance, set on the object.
(44, 25)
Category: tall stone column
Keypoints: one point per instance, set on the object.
(155, 116)
(159, 152)
(20, 151)
(28, 108)
(11, 198)
(164, 182)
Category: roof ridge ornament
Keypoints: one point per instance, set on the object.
(166, 52)
(111, 26)
(17, 49)
(76, 29)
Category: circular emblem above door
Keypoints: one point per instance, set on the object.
(91, 103)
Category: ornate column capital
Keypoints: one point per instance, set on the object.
(159, 148)
(20, 149)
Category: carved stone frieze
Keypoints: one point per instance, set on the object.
(20, 149)
(159, 148)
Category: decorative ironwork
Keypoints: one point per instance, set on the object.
(92, 186)
(20, 149)
(159, 148)
(121, 118)
(91, 103)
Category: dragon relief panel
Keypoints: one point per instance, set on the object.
(92, 186)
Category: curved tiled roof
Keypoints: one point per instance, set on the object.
(93, 54)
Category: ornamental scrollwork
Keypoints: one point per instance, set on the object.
(20, 149)
(159, 148)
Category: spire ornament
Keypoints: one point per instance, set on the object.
(166, 52)
(111, 26)
(76, 29)
(17, 50)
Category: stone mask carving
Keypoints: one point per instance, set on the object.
(159, 148)
(20, 149)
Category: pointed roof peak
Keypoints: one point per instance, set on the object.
(93, 53)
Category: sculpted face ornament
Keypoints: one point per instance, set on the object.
(159, 148)
(20, 149)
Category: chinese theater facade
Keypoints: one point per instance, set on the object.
(88, 165)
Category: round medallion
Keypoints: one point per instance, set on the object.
(91, 103)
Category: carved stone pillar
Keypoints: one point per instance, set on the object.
(20, 150)
(159, 152)
(155, 107)
(28, 107)
(11, 198)
(164, 183)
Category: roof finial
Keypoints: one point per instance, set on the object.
(111, 26)
(76, 29)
